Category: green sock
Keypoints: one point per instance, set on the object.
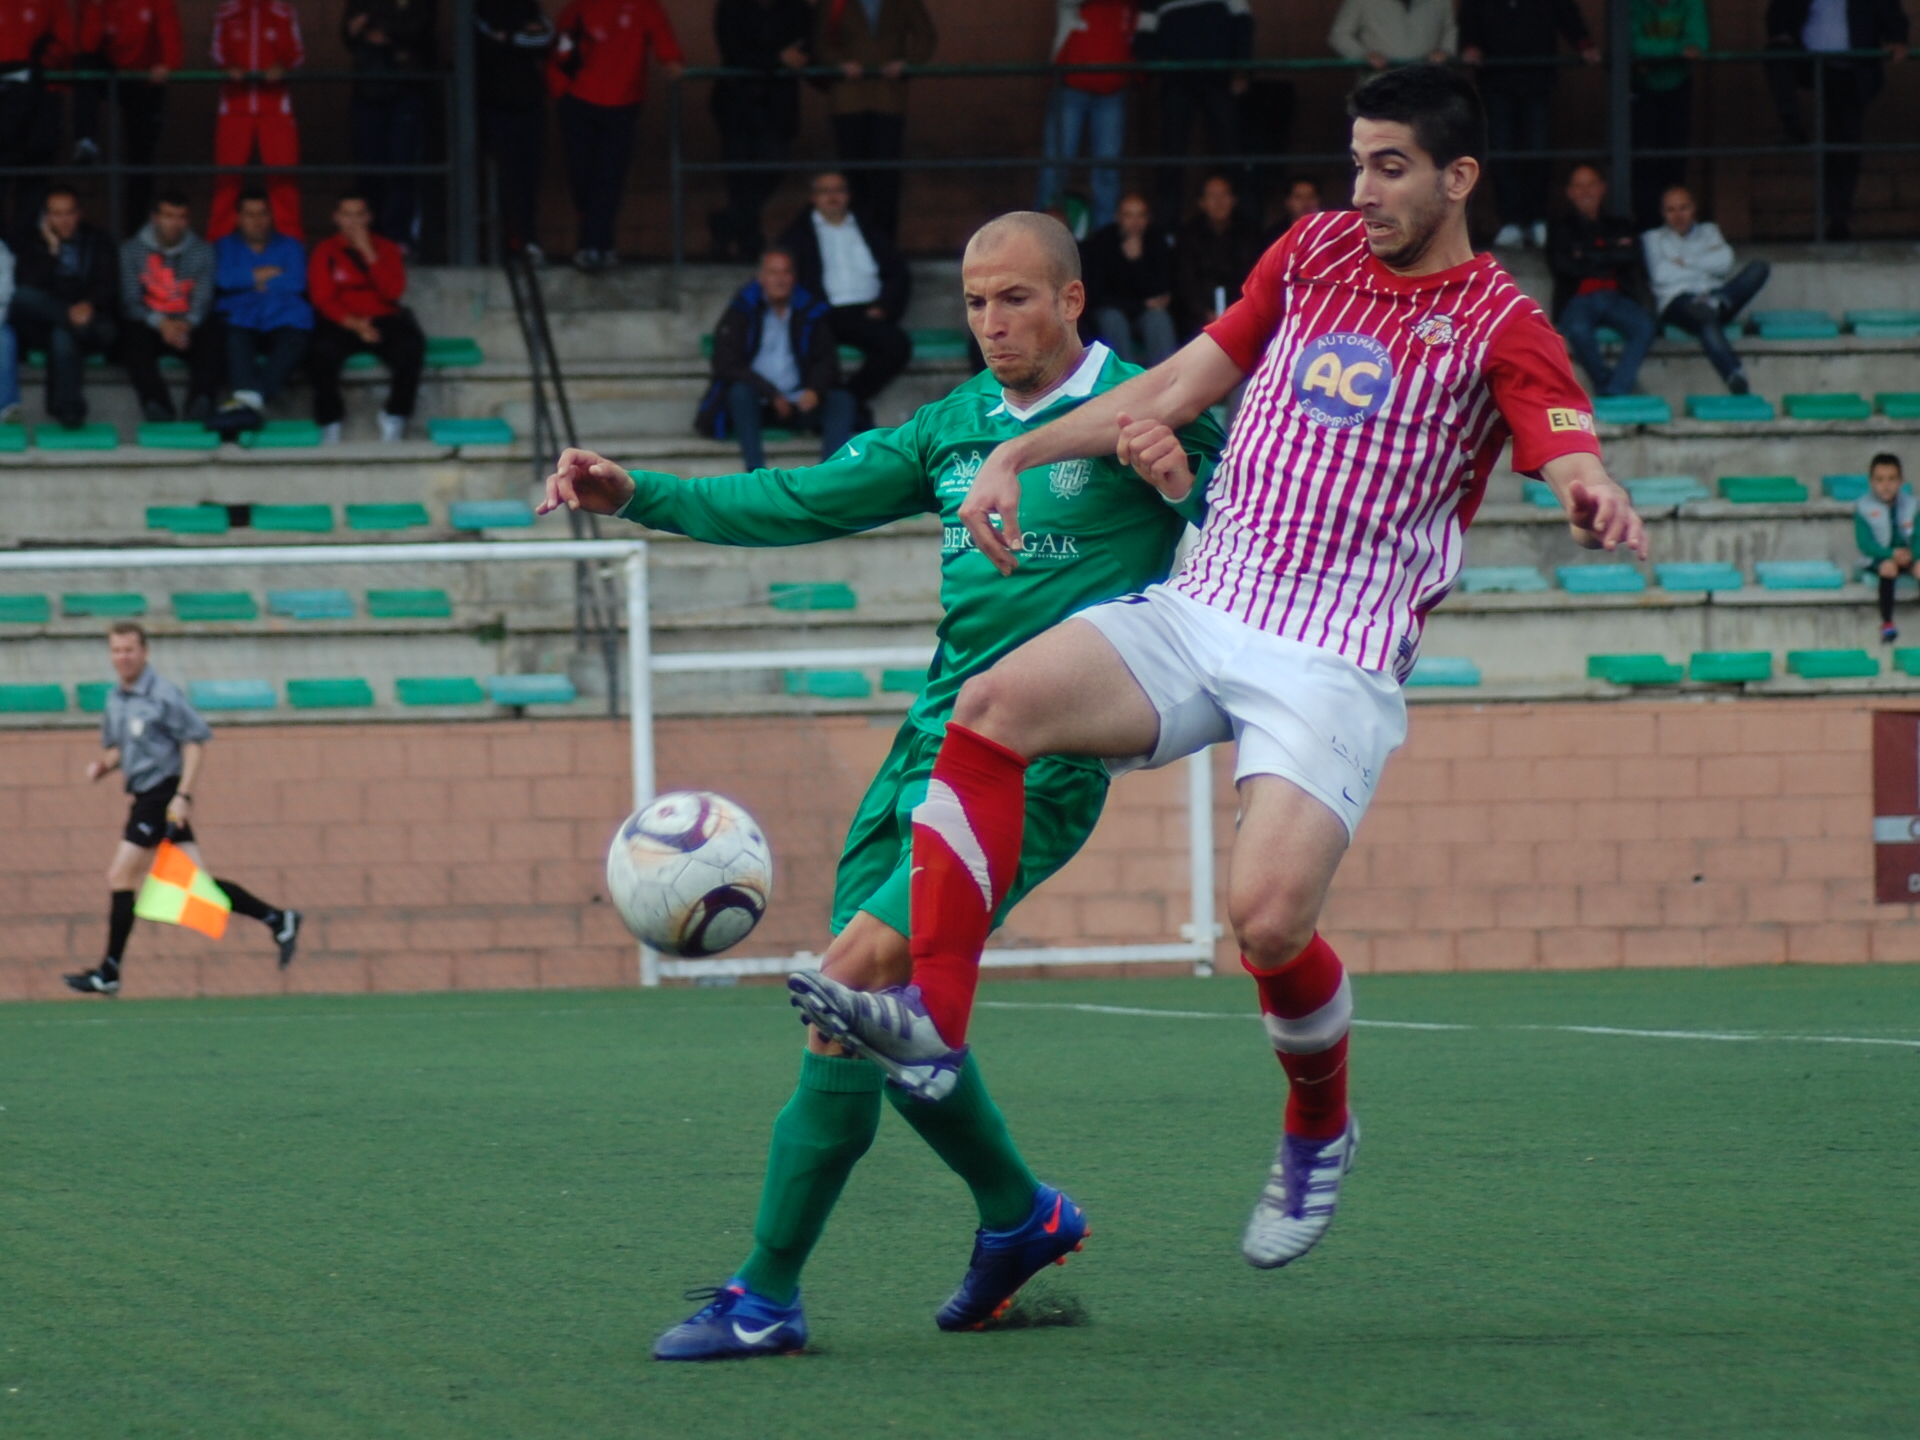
(817, 1140)
(968, 1132)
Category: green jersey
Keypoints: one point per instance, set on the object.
(1094, 530)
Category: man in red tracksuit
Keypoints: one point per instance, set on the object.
(599, 73)
(356, 279)
(256, 38)
(35, 36)
(141, 37)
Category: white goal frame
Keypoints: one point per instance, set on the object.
(1196, 945)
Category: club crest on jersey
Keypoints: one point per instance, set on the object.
(1067, 478)
(1434, 331)
(961, 474)
(1342, 379)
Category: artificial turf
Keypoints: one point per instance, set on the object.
(468, 1215)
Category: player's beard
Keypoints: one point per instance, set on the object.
(1422, 225)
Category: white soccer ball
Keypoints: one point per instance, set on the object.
(691, 873)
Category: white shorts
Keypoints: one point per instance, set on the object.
(1305, 714)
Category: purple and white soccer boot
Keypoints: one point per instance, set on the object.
(890, 1027)
(1302, 1190)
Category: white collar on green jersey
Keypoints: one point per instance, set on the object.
(1077, 386)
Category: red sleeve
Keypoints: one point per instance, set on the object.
(166, 16)
(320, 287)
(1533, 387)
(389, 271)
(1243, 332)
(93, 27)
(666, 45)
(558, 80)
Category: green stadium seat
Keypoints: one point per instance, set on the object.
(188, 519)
(821, 595)
(1538, 492)
(1762, 489)
(214, 605)
(175, 435)
(232, 694)
(1501, 580)
(447, 352)
(1443, 670)
(778, 434)
(97, 436)
(903, 682)
(1632, 410)
(1634, 670)
(490, 514)
(1836, 406)
(1666, 490)
(311, 519)
(1730, 667)
(850, 358)
(1907, 661)
(103, 605)
(1843, 487)
(1601, 578)
(1682, 576)
(1799, 575)
(1733, 330)
(32, 699)
(1898, 404)
(92, 695)
(829, 684)
(409, 604)
(939, 344)
(531, 690)
(489, 431)
(347, 692)
(361, 360)
(706, 346)
(1795, 324)
(438, 690)
(310, 604)
(406, 515)
(1832, 664)
(1608, 336)
(1726, 409)
(25, 610)
(13, 439)
(1884, 316)
(95, 360)
(282, 435)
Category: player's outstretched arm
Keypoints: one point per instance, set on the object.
(582, 480)
(1172, 393)
(1599, 511)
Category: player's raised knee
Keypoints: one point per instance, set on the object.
(989, 705)
(1274, 931)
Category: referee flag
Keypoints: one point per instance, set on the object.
(179, 892)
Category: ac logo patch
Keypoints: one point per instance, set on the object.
(1343, 379)
(1561, 420)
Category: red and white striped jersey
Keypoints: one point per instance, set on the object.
(1376, 407)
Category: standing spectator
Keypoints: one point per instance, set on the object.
(9, 345)
(1694, 287)
(775, 361)
(166, 297)
(599, 73)
(1519, 99)
(1819, 26)
(256, 42)
(390, 116)
(140, 38)
(1212, 255)
(1883, 529)
(873, 42)
(510, 55)
(1194, 30)
(1666, 35)
(1594, 257)
(262, 280)
(1128, 269)
(1395, 32)
(35, 36)
(861, 276)
(1089, 32)
(66, 282)
(356, 279)
(756, 117)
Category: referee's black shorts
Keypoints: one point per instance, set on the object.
(147, 820)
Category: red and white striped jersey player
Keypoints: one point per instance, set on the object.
(1389, 365)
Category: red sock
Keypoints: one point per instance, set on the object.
(966, 850)
(1307, 1006)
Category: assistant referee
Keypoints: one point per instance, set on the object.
(157, 740)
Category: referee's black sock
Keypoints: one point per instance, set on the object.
(245, 902)
(119, 927)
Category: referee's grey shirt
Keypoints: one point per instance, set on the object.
(148, 722)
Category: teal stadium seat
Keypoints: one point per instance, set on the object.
(1655, 490)
(489, 431)
(13, 439)
(1884, 324)
(103, 605)
(1601, 578)
(409, 604)
(98, 436)
(1795, 324)
(531, 690)
(189, 519)
(1730, 667)
(1832, 664)
(346, 692)
(1827, 406)
(1438, 670)
(1762, 489)
(903, 682)
(490, 514)
(939, 344)
(829, 684)
(1683, 576)
(1733, 330)
(32, 699)
(1632, 410)
(1501, 580)
(1843, 487)
(25, 610)
(232, 694)
(175, 435)
(1799, 575)
(813, 595)
(407, 515)
(282, 435)
(214, 605)
(450, 352)
(310, 604)
(1634, 670)
(310, 519)
(92, 695)
(1907, 661)
(438, 690)
(1538, 492)
(1898, 404)
(1729, 409)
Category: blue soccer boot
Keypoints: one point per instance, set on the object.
(1004, 1260)
(735, 1324)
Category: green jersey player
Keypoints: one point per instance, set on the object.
(1099, 531)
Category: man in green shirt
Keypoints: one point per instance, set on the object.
(1101, 531)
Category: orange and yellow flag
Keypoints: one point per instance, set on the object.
(179, 892)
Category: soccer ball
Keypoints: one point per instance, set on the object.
(691, 873)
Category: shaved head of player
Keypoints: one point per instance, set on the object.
(1021, 280)
(1418, 135)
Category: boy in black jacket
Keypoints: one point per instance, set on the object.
(66, 281)
(1595, 259)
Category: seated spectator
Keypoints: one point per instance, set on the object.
(775, 361)
(861, 276)
(1395, 32)
(1128, 268)
(9, 345)
(1089, 32)
(1593, 258)
(1213, 254)
(262, 280)
(166, 296)
(1694, 286)
(66, 283)
(1883, 529)
(356, 279)
(1301, 200)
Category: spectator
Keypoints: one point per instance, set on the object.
(775, 362)
(1089, 32)
(1212, 256)
(861, 276)
(1817, 26)
(65, 283)
(9, 345)
(35, 36)
(1694, 287)
(141, 39)
(1883, 529)
(1594, 258)
(386, 37)
(599, 73)
(356, 279)
(1194, 30)
(1301, 200)
(166, 297)
(262, 280)
(1519, 99)
(756, 117)
(1128, 269)
(873, 42)
(256, 38)
(510, 55)
(1395, 32)
(1666, 35)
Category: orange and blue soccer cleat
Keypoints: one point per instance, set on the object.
(735, 1324)
(1004, 1260)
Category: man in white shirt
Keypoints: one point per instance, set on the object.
(1694, 286)
(1389, 32)
(862, 279)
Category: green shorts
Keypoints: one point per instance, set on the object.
(1064, 798)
